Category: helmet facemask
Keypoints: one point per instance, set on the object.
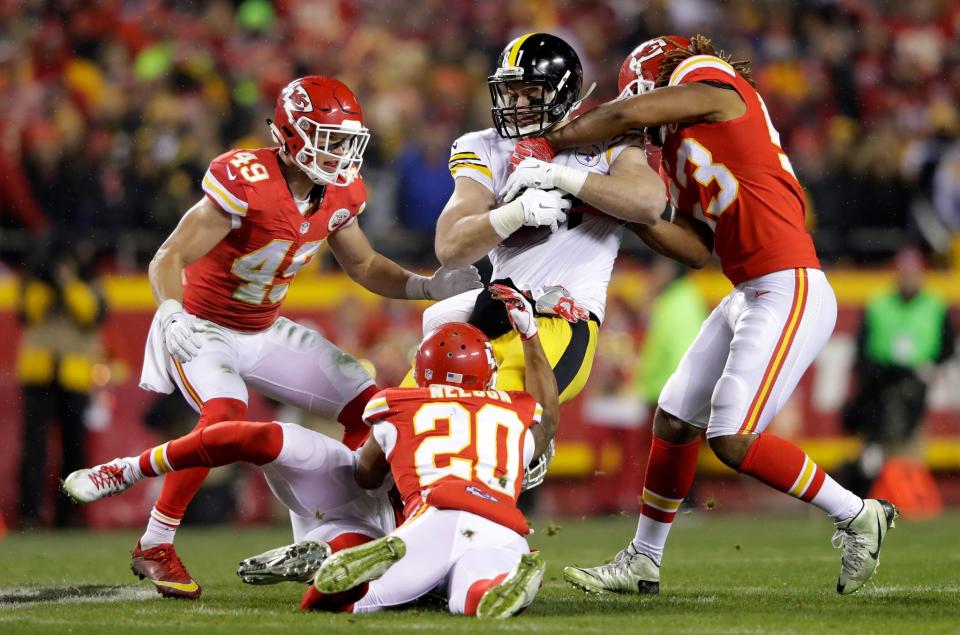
(342, 145)
(545, 107)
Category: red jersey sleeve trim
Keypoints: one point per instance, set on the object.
(228, 201)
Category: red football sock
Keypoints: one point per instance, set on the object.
(179, 488)
(355, 431)
(476, 591)
(314, 600)
(215, 445)
(784, 466)
(669, 477)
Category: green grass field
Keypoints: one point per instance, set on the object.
(723, 574)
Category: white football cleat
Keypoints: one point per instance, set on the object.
(515, 592)
(93, 483)
(860, 539)
(630, 572)
(291, 563)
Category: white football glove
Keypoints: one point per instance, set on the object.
(519, 310)
(544, 208)
(556, 300)
(536, 472)
(179, 337)
(444, 283)
(536, 174)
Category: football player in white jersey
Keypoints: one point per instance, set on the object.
(557, 250)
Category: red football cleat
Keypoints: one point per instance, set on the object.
(162, 566)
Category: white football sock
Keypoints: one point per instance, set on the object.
(161, 530)
(651, 537)
(839, 502)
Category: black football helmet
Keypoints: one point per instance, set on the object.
(545, 72)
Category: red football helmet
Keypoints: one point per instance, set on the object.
(318, 122)
(458, 354)
(638, 73)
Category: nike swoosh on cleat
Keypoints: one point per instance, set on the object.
(876, 554)
(180, 586)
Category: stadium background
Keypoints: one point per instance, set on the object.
(114, 109)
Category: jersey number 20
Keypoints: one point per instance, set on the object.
(484, 430)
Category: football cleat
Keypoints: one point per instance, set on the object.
(352, 567)
(516, 592)
(292, 563)
(91, 484)
(859, 540)
(630, 572)
(162, 566)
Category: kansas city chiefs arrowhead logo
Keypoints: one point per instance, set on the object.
(295, 98)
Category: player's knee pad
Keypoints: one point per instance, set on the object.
(222, 409)
(730, 400)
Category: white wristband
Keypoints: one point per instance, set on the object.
(416, 288)
(507, 219)
(569, 179)
(168, 308)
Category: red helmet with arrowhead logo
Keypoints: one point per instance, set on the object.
(318, 122)
(639, 72)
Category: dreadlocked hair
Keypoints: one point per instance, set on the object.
(699, 45)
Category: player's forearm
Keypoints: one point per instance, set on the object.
(604, 122)
(672, 241)
(635, 198)
(541, 383)
(380, 275)
(166, 276)
(468, 240)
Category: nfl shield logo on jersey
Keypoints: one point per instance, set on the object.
(304, 227)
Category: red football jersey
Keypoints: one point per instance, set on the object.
(451, 448)
(734, 176)
(242, 281)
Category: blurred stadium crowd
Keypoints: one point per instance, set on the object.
(114, 108)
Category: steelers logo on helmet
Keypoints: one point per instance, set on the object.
(536, 84)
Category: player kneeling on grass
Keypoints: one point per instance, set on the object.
(456, 449)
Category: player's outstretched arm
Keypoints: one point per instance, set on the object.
(372, 466)
(686, 239)
(539, 379)
(687, 103)
(379, 274)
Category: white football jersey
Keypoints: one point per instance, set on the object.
(579, 255)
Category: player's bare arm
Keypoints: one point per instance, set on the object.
(470, 226)
(695, 102)
(539, 379)
(377, 273)
(631, 191)
(541, 383)
(365, 265)
(685, 239)
(200, 229)
(372, 466)
(464, 233)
